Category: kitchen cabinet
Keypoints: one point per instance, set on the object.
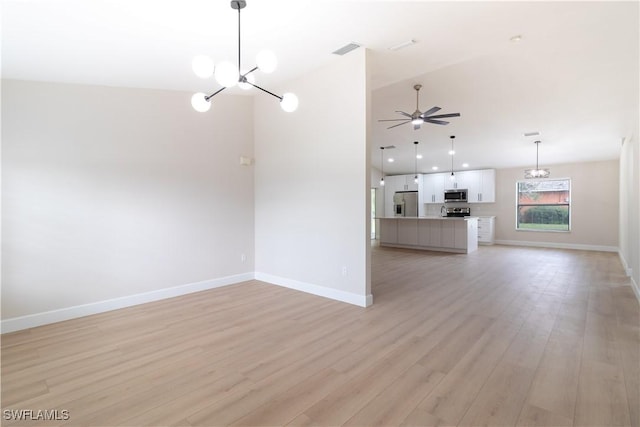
(430, 233)
(458, 235)
(433, 187)
(459, 181)
(408, 231)
(408, 182)
(388, 231)
(481, 185)
(486, 230)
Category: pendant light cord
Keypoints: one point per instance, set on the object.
(452, 154)
(416, 159)
(239, 56)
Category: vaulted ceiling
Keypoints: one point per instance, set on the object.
(573, 76)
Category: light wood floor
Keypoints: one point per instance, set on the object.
(504, 336)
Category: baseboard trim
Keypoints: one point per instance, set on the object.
(54, 316)
(629, 272)
(636, 288)
(334, 294)
(599, 248)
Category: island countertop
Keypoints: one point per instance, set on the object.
(446, 218)
(435, 233)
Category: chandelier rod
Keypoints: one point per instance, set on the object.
(264, 90)
(208, 97)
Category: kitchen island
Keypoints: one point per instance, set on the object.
(433, 233)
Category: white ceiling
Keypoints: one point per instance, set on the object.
(573, 76)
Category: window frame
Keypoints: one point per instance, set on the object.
(518, 205)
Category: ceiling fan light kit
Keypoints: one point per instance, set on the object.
(227, 74)
(418, 118)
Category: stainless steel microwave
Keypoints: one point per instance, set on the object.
(456, 195)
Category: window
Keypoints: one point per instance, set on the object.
(544, 205)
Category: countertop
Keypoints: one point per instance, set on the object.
(443, 218)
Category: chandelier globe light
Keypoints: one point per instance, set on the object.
(228, 74)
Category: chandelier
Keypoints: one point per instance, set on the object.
(227, 74)
(537, 172)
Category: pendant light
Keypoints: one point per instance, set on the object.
(382, 166)
(415, 178)
(452, 177)
(537, 172)
(228, 75)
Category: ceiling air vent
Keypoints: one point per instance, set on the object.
(346, 49)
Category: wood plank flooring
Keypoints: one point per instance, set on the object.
(504, 336)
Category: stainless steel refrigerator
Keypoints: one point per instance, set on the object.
(405, 203)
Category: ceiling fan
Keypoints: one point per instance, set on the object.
(418, 117)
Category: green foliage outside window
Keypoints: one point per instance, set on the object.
(544, 205)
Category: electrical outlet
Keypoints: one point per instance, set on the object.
(243, 257)
(344, 271)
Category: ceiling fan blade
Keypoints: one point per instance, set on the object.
(430, 111)
(436, 122)
(442, 116)
(404, 114)
(391, 120)
(403, 123)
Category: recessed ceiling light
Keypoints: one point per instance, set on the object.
(390, 160)
(435, 168)
(465, 165)
(516, 38)
(418, 156)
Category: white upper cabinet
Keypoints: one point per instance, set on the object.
(481, 185)
(460, 181)
(410, 183)
(433, 187)
(482, 188)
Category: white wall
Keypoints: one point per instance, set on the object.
(594, 207)
(630, 210)
(112, 192)
(312, 184)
